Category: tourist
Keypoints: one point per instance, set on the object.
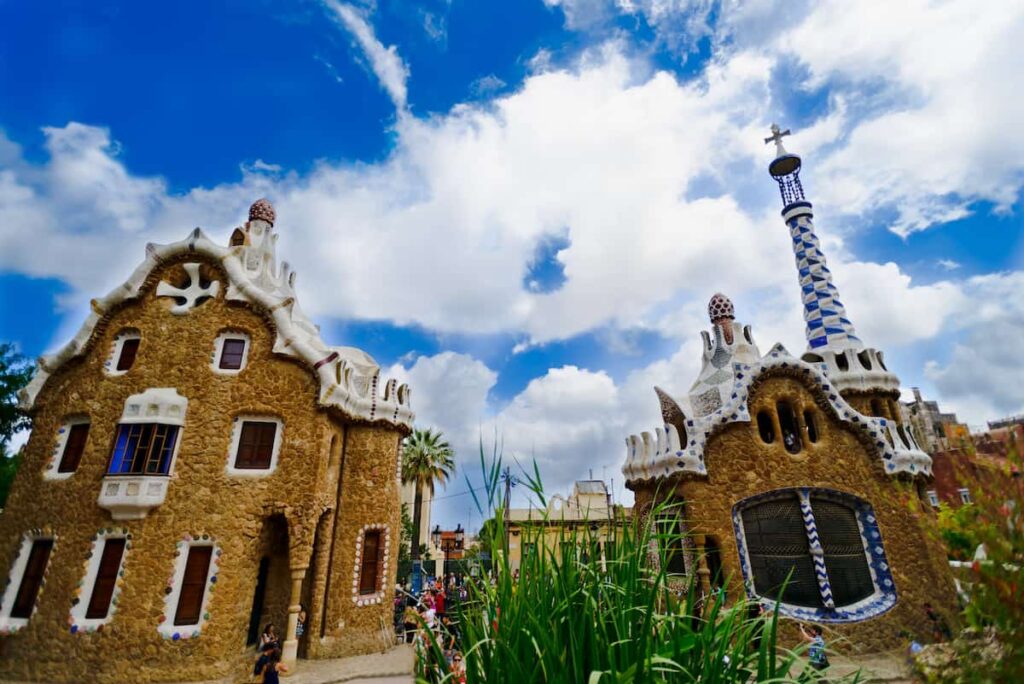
(269, 641)
(439, 601)
(816, 651)
(940, 630)
(272, 669)
(458, 668)
(269, 636)
(300, 623)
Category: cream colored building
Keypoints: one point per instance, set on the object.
(586, 512)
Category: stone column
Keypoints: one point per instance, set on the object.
(290, 649)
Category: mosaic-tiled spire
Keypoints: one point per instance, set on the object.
(828, 327)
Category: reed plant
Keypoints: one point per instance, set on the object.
(572, 616)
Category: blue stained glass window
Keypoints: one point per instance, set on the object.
(143, 449)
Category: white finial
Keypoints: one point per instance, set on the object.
(777, 135)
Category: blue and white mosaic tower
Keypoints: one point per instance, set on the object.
(831, 337)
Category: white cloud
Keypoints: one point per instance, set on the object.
(385, 62)
(948, 264)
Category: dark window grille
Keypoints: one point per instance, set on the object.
(143, 449)
(32, 578)
(843, 545)
(672, 533)
(778, 547)
(790, 430)
(765, 427)
(73, 448)
(255, 445)
(231, 353)
(371, 560)
(106, 579)
(812, 426)
(129, 350)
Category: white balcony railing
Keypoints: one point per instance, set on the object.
(131, 497)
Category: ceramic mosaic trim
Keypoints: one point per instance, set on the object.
(59, 444)
(348, 380)
(378, 596)
(648, 459)
(77, 622)
(884, 597)
(8, 624)
(167, 628)
(110, 365)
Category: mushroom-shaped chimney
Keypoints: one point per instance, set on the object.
(262, 210)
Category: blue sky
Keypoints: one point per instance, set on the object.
(521, 208)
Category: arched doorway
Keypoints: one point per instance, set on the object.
(271, 591)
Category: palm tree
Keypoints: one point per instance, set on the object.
(426, 459)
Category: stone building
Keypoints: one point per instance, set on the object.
(586, 515)
(201, 463)
(775, 466)
(933, 429)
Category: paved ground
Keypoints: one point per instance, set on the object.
(393, 667)
(875, 667)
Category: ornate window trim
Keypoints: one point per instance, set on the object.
(236, 436)
(218, 350)
(10, 624)
(110, 365)
(378, 596)
(167, 628)
(884, 596)
(77, 621)
(60, 443)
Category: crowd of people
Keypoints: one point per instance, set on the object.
(432, 618)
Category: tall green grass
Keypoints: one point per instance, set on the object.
(566, 620)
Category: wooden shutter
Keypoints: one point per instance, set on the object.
(106, 579)
(231, 354)
(129, 348)
(256, 445)
(32, 578)
(73, 448)
(371, 561)
(193, 585)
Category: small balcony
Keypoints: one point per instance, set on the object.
(131, 497)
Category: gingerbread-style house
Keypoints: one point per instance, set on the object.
(782, 468)
(201, 463)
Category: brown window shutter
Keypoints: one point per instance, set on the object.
(256, 445)
(73, 448)
(129, 349)
(193, 585)
(32, 578)
(106, 579)
(371, 561)
(231, 354)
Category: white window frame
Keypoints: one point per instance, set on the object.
(17, 574)
(218, 349)
(965, 495)
(92, 568)
(127, 334)
(382, 580)
(61, 443)
(236, 436)
(167, 628)
(933, 498)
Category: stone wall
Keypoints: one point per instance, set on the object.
(369, 492)
(202, 499)
(741, 465)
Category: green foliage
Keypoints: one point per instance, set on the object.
(957, 529)
(566, 618)
(405, 539)
(426, 459)
(15, 373)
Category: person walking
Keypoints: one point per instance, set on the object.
(272, 669)
(816, 650)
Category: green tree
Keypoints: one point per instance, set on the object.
(426, 459)
(406, 536)
(15, 373)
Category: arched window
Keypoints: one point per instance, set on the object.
(877, 408)
(842, 362)
(865, 359)
(781, 533)
(812, 426)
(790, 430)
(765, 427)
(671, 534)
